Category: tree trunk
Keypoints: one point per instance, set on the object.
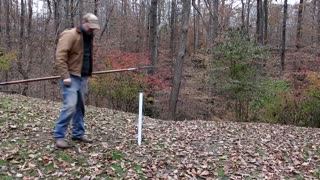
(96, 7)
(21, 47)
(266, 19)
(153, 33)
(222, 14)
(248, 16)
(243, 6)
(67, 12)
(44, 47)
(180, 60)
(299, 26)
(210, 25)
(108, 16)
(314, 19)
(138, 41)
(197, 28)
(215, 19)
(143, 26)
(7, 14)
(1, 25)
(29, 18)
(80, 10)
(122, 30)
(56, 10)
(173, 27)
(284, 29)
(259, 30)
(318, 28)
(159, 26)
(72, 13)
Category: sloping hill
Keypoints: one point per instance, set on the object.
(170, 150)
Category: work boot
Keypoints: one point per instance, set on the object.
(82, 139)
(61, 143)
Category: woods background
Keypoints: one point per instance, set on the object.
(248, 60)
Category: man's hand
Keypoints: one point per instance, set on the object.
(67, 82)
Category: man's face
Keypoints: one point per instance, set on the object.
(86, 28)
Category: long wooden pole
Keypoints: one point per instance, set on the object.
(57, 77)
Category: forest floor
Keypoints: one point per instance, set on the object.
(170, 149)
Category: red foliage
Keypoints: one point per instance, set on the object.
(123, 60)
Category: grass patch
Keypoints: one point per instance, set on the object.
(116, 155)
(299, 177)
(24, 155)
(6, 178)
(3, 163)
(117, 168)
(221, 174)
(2, 121)
(65, 156)
(317, 175)
(49, 167)
(5, 102)
(138, 168)
(105, 176)
(160, 145)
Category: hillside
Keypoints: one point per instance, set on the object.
(197, 102)
(170, 150)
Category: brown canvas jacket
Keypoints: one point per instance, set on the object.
(69, 53)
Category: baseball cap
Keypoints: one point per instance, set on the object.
(91, 20)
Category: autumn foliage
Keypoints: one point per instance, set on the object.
(151, 83)
(120, 90)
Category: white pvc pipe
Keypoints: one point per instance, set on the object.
(140, 119)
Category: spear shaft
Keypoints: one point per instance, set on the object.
(57, 77)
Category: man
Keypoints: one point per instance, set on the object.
(74, 65)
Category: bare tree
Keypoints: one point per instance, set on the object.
(80, 10)
(266, 18)
(318, 28)
(122, 26)
(56, 10)
(215, 18)
(248, 16)
(21, 46)
(284, 30)
(173, 26)
(314, 19)
(153, 33)
(7, 14)
(159, 26)
(197, 28)
(299, 26)
(259, 27)
(140, 27)
(67, 21)
(1, 25)
(30, 2)
(243, 6)
(108, 16)
(72, 13)
(96, 7)
(180, 60)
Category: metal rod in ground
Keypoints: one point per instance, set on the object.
(140, 119)
(57, 77)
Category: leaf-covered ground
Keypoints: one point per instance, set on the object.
(170, 150)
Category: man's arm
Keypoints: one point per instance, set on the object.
(63, 48)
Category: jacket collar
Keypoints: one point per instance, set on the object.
(78, 29)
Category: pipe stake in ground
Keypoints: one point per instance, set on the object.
(140, 119)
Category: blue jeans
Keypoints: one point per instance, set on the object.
(73, 108)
